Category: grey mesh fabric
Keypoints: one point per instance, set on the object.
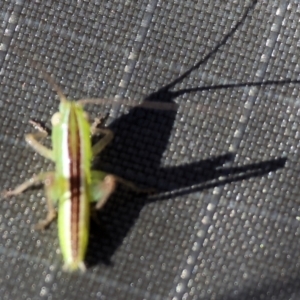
(224, 222)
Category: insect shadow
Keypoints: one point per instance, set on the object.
(141, 138)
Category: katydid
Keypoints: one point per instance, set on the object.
(73, 186)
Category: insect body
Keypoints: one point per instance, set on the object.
(73, 185)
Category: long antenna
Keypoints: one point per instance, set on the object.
(156, 105)
(49, 79)
(54, 85)
(145, 104)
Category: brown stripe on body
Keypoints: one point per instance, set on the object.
(75, 179)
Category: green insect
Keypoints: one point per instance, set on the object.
(73, 186)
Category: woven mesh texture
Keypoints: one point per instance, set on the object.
(225, 220)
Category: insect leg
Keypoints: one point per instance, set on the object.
(39, 127)
(103, 185)
(48, 179)
(132, 186)
(100, 145)
(97, 122)
(50, 189)
(33, 140)
(27, 184)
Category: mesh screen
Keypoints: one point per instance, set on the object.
(224, 222)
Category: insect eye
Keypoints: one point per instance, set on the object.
(55, 120)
